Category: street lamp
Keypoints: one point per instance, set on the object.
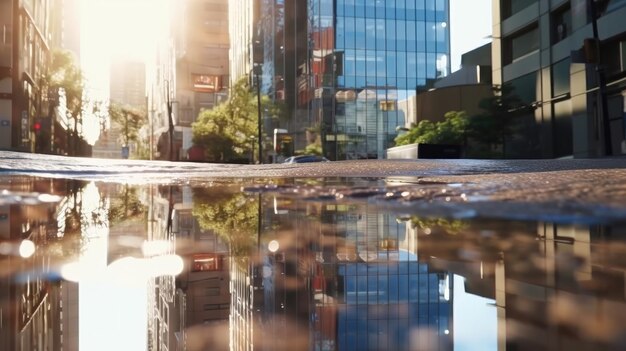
(170, 103)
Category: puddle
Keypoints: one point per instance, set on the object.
(305, 264)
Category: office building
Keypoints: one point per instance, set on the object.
(24, 49)
(202, 62)
(339, 68)
(545, 51)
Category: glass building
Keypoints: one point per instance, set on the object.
(340, 68)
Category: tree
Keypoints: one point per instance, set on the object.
(65, 78)
(498, 121)
(129, 119)
(225, 130)
(452, 130)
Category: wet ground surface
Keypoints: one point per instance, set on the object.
(355, 255)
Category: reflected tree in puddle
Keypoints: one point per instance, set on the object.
(428, 224)
(233, 215)
(127, 207)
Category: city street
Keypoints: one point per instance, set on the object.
(498, 188)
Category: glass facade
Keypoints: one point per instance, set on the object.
(383, 297)
(341, 67)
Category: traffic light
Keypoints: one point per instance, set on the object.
(37, 127)
(40, 130)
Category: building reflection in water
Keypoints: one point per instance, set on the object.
(268, 271)
(348, 279)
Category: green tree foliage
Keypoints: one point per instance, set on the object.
(63, 73)
(313, 149)
(129, 119)
(233, 215)
(451, 130)
(214, 132)
(225, 131)
(450, 226)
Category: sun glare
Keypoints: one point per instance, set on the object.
(118, 29)
(127, 29)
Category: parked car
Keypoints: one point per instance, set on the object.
(306, 159)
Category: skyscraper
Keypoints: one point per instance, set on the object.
(340, 67)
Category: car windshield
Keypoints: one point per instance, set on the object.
(305, 158)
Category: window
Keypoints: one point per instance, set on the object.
(525, 88)
(561, 77)
(511, 7)
(561, 23)
(520, 45)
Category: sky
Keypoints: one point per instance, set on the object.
(470, 27)
(475, 319)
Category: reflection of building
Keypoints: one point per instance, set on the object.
(555, 286)
(181, 306)
(362, 289)
(533, 53)
(576, 297)
(340, 70)
(242, 313)
(164, 307)
(382, 297)
(35, 312)
(205, 282)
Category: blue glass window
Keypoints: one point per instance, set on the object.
(411, 42)
(359, 8)
(391, 34)
(401, 35)
(349, 8)
(390, 11)
(359, 31)
(370, 34)
(340, 11)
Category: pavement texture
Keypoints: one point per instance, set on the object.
(565, 189)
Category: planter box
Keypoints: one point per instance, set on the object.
(425, 151)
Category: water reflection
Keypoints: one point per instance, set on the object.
(167, 267)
